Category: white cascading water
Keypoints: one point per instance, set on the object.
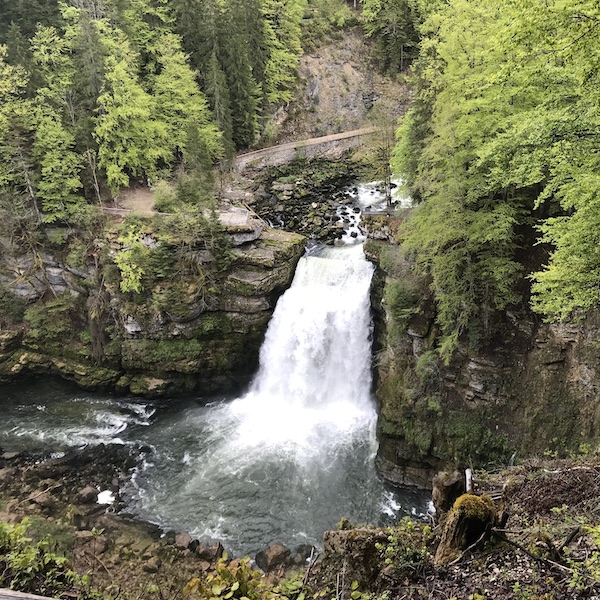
(313, 385)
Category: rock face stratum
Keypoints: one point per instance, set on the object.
(212, 347)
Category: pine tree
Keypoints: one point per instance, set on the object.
(131, 141)
(180, 103)
(59, 166)
(282, 19)
(218, 95)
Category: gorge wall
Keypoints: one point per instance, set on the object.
(532, 389)
(79, 324)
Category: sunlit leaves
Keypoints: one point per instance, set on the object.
(503, 135)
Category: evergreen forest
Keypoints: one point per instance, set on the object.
(99, 94)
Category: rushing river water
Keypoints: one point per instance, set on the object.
(285, 461)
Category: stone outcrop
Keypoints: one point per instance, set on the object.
(535, 388)
(211, 346)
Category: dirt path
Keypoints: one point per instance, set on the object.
(136, 199)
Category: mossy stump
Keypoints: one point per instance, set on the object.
(468, 521)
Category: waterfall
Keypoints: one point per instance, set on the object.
(294, 455)
(313, 385)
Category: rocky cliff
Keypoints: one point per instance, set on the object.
(532, 389)
(195, 323)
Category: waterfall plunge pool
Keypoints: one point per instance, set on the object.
(285, 461)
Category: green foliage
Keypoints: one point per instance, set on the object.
(401, 300)
(393, 25)
(51, 321)
(12, 308)
(406, 548)
(59, 165)
(132, 260)
(32, 567)
(234, 579)
(165, 197)
(94, 95)
(500, 141)
(283, 38)
(427, 366)
(291, 587)
(324, 18)
(180, 103)
(160, 269)
(131, 140)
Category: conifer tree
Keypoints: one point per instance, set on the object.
(131, 141)
(180, 103)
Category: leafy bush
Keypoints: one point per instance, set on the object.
(30, 566)
(234, 579)
(12, 308)
(401, 299)
(406, 547)
(427, 367)
(165, 197)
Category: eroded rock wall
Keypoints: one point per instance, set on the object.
(533, 389)
(145, 351)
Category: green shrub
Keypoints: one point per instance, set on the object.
(12, 308)
(29, 566)
(52, 321)
(427, 367)
(401, 299)
(406, 547)
(165, 197)
(233, 580)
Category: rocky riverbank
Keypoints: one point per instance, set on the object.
(541, 539)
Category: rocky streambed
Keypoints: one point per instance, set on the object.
(305, 197)
(541, 539)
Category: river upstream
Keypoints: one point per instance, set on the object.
(283, 462)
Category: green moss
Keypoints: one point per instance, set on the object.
(481, 507)
(12, 308)
(55, 327)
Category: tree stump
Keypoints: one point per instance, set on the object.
(447, 487)
(468, 522)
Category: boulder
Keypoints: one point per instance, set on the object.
(301, 554)
(152, 565)
(183, 540)
(45, 500)
(210, 553)
(273, 556)
(87, 495)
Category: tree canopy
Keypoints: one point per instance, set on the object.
(98, 93)
(500, 149)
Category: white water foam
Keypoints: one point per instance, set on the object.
(313, 385)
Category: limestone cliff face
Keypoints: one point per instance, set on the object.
(535, 388)
(133, 347)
